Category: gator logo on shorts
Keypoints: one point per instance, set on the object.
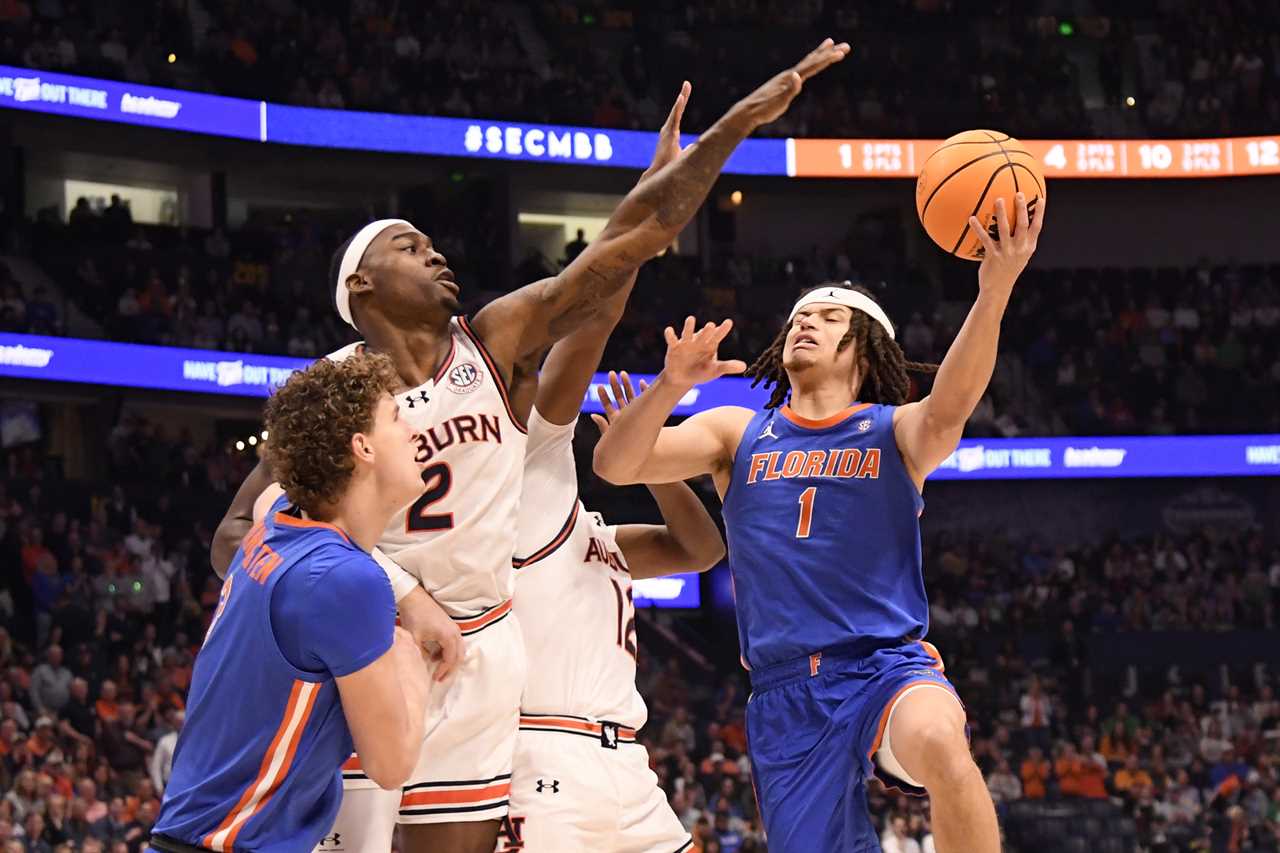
(465, 378)
(511, 834)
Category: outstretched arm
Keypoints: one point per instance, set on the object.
(927, 432)
(645, 222)
(573, 360)
(566, 372)
(688, 540)
(638, 448)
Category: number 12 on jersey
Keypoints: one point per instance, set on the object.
(806, 512)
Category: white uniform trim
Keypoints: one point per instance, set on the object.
(850, 299)
(884, 755)
(351, 262)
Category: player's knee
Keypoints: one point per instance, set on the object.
(942, 752)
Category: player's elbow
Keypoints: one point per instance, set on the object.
(392, 756)
(710, 553)
(703, 552)
(390, 771)
(610, 468)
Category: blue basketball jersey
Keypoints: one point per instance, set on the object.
(257, 766)
(823, 530)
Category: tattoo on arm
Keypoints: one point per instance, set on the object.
(676, 192)
(604, 280)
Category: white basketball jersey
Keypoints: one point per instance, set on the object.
(457, 538)
(573, 596)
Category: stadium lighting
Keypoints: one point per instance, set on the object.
(253, 439)
(1130, 101)
(735, 197)
(1066, 28)
(173, 57)
(264, 435)
(239, 445)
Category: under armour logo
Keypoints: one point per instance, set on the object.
(768, 432)
(553, 786)
(422, 395)
(831, 292)
(332, 842)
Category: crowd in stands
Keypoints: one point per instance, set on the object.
(919, 67)
(106, 594)
(109, 593)
(1085, 352)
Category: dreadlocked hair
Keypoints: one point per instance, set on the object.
(886, 380)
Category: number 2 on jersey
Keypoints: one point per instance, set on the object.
(806, 512)
(437, 480)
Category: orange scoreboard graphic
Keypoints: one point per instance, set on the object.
(1062, 158)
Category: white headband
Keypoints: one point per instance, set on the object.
(850, 299)
(351, 261)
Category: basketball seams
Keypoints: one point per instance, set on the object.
(981, 198)
(924, 210)
(1032, 173)
(947, 145)
(1000, 145)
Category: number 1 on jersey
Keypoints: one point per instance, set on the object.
(806, 512)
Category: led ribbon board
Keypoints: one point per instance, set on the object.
(240, 118)
(249, 375)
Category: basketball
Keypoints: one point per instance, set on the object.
(964, 176)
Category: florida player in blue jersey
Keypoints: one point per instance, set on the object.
(822, 498)
(303, 656)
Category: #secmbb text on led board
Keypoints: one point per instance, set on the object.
(241, 118)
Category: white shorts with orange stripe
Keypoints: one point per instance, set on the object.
(580, 784)
(464, 768)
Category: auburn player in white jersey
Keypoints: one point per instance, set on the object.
(393, 286)
(400, 293)
(580, 779)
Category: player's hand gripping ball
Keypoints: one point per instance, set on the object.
(963, 177)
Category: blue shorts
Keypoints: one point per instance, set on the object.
(813, 727)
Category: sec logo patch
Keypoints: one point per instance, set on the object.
(465, 378)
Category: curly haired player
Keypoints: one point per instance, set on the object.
(822, 497)
(305, 626)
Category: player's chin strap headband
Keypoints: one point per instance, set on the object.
(351, 261)
(850, 299)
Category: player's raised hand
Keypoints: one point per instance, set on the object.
(668, 147)
(1004, 258)
(623, 393)
(771, 100)
(693, 355)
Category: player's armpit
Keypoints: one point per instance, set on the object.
(238, 519)
(923, 440)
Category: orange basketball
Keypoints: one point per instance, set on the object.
(964, 176)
